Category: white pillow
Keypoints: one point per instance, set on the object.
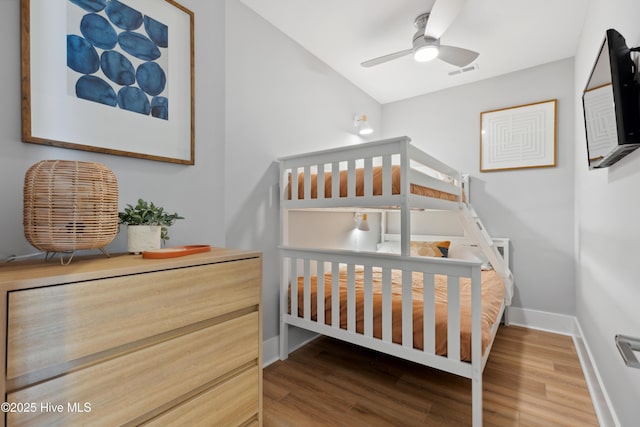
(469, 253)
(389, 247)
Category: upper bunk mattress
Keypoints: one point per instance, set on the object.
(492, 295)
(377, 185)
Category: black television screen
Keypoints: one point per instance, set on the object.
(611, 102)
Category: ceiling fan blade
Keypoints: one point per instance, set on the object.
(442, 15)
(385, 58)
(456, 55)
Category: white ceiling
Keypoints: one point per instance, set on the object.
(510, 35)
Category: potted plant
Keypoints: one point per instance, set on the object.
(147, 225)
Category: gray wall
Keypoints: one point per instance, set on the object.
(196, 192)
(607, 229)
(533, 207)
(280, 100)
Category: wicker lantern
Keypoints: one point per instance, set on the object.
(69, 206)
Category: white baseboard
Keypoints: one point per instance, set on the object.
(599, 396)
(298, 338)
(270, 351)
(542, 320)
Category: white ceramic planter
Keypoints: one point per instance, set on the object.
(143, 238)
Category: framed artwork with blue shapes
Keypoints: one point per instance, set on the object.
(109, 76)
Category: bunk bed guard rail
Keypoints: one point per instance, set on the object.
(306, 263)
(415, 168)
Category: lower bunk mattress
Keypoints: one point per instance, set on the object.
(492, 301)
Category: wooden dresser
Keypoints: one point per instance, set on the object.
(130, 341)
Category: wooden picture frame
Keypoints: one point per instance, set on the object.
(111, 77)
(518, 137)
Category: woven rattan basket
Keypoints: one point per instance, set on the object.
(70, 205)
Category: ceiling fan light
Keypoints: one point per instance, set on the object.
(426, 53)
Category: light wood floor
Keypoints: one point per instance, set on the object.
(532, 378)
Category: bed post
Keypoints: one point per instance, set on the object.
(405, 230)
(405, 190)
(476, 347)
(284, 328)
(505, 317)
(284, 276)
(476, 398)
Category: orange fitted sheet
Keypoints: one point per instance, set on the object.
(492, 300)
(377, 185)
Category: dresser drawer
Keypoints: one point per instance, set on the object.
(50, 326)
(232, 403)
(127, 387)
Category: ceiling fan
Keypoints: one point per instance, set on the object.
(426, 41)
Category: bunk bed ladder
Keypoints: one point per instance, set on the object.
(476, 231)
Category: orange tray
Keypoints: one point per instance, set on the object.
(176, 251)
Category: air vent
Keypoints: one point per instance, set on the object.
(464, 70)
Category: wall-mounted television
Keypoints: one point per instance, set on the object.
(611, 103)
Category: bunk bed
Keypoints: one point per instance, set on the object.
(437, 311)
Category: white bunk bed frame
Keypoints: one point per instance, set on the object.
(416, 167)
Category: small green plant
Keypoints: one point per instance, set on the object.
(145, 213)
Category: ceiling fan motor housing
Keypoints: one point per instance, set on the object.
(421, 21)
(419, 39)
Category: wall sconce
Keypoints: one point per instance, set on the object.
(361, 221)
(361, 122)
